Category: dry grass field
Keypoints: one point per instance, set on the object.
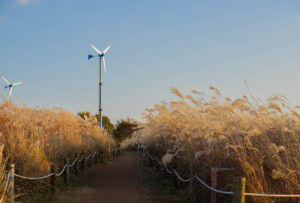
(34, 138)
(259, 139)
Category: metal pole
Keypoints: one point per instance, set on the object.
(100, 94)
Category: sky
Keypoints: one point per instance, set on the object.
(154, 45)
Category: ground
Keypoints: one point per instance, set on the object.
(123, 179)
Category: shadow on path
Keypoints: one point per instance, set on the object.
(115, 181)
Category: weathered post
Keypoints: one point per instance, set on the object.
(193, 182)
(175, 180)
(163, 171)
(156, 170)
(239, 190)
(66, 172)
(150, 161)
(77, 164)
(53, 179)
(101, 157)
(90, 160)
(11, 183)
(213, 195)
(82, 163)
(96, 157)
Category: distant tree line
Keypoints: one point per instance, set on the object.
(123, 128)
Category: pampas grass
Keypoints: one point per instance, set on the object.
(260, 140)
(34, 138)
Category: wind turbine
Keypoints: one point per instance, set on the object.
(10, 86)
(101, 57)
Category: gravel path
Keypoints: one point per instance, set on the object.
(115, 181)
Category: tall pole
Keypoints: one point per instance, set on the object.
(100, 94)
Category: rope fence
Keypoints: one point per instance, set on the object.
(9, 186)
(73, 162)
(237, 193)
(34, 178)
(183, 180)
(168, 171)
(59, 174)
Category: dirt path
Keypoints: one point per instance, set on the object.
(115, 181)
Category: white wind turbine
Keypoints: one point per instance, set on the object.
(101, 57)
(10, 86)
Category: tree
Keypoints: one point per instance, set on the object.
(84, 114)
(107, 125)
(124, 129)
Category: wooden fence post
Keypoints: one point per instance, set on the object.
(53, 179)
(150, 162)
(90, 160)
(239, 190)
(193, 182)
(101, 157)
(96, 157)
(213, 195)
(77, 164)
(66, 172)
(11, 183)
(82, 163)
(175, 180)
(156, 169)
(163, 171)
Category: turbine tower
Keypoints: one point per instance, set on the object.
(102, 59)
(10, 86)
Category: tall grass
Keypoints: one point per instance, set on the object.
(34, 138)
(3, 178)
(259, 139)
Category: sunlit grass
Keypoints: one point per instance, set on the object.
(260, 140)
(34, 138)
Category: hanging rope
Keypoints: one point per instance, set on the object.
(183, 180)
(34, 178)
(59, 174)
(73, 162)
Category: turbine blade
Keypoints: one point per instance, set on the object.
(5, 80)
(104, 65)
(105, 50)
(18, 83)
(10, 93)
(99, 52)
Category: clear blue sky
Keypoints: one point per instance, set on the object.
(155, 45)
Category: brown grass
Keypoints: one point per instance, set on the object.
(34, 138)
(261, 140)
